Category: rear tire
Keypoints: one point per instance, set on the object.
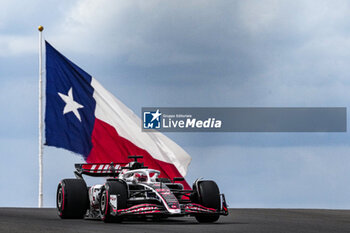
(72, 198)
(207, 195)
(119, 189)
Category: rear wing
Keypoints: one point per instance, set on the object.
(99, 169)
(107, 169)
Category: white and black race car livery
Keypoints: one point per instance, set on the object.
(135, 190)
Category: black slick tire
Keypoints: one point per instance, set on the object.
(72, 199)
(207, 195)
(112, 187)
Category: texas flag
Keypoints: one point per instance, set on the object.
(83, 117)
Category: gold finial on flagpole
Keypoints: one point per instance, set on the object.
(40, 28)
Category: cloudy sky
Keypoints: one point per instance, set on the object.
(262, 53)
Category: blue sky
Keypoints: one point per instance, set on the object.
(190, 53)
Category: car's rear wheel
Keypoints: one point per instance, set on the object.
(72, 198)
(207, 194)
(115, 189)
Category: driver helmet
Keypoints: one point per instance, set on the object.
(140, 177)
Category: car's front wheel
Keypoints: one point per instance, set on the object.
(207, 194)
(117, 191)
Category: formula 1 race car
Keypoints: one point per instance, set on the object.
(134, 190)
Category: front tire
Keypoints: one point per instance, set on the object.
(113, 187)
(207, 194)
(72, 198)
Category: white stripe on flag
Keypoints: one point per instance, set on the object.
(112, 111)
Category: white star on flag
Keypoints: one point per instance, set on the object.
(71, 105)
(156, 115)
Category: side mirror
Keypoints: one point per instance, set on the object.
(178, 179)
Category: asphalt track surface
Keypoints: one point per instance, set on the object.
(240, 220)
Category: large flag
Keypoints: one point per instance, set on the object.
(83, 117)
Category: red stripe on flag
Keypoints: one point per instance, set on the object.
(109, 146)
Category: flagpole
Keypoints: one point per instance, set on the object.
(40, 202)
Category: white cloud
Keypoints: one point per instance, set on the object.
(256, 52)
(151, 33)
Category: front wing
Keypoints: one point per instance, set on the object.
(186, 209)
